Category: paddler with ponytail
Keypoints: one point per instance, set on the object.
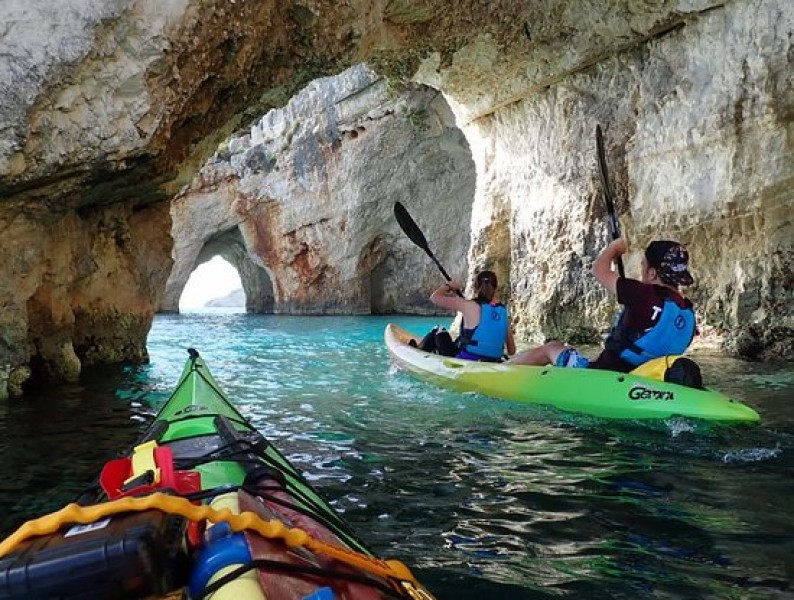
(485, 331)
(657, 320)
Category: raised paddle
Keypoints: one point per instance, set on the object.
(411, 229)
(613, 223)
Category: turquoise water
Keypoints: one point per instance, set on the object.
(483, 499)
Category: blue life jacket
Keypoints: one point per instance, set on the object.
(672, 334)
(488, 338)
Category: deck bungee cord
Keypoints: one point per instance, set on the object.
(247, 521)
(201, 504)
(309, 506)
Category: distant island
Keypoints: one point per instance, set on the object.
(234, 299)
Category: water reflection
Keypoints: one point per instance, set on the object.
(485, 498)
(53, 445)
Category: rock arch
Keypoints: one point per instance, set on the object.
(302, 207)
(256, 282)
(96, 138)
(229, 245)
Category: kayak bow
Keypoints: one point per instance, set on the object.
(202, 506)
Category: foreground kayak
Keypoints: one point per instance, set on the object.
(203, 506)
(606, 394)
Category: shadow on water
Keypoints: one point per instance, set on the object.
(53, 444)
(483, 499)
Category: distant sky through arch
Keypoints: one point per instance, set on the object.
(212, 279)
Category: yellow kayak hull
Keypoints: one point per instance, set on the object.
(600, 393)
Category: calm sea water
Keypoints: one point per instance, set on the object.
(483, 499)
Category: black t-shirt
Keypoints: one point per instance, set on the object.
(643, 304)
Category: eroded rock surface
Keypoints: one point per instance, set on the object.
(110, 108)
(308, 194)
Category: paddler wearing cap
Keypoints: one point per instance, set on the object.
(656, 319)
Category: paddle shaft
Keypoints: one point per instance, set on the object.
(612, 218)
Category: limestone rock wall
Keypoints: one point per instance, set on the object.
(698, 124)
(308, 194)
(124, 99)
(109, 108)
(78, 290)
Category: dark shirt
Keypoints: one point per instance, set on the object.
(643, 303)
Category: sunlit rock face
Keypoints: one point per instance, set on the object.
(309, 195)
(698, 127)
(110, 108)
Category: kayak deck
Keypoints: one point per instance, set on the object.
(600, 393)
(203, 506)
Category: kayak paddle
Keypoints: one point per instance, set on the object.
(411, 229)
(614, 224)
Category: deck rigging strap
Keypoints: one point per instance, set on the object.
(294, 537)
(272, 565)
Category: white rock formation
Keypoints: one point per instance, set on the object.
(107, 109)
(309, 195)
(97, 54)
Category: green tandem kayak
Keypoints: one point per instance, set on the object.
(201, 506)
(605, 394)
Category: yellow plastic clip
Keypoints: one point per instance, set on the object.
(143, 462)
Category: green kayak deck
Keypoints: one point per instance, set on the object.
(202, 505)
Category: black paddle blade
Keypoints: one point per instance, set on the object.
(409, 226)
(411, 229)
(602, 170)
(613, 223)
